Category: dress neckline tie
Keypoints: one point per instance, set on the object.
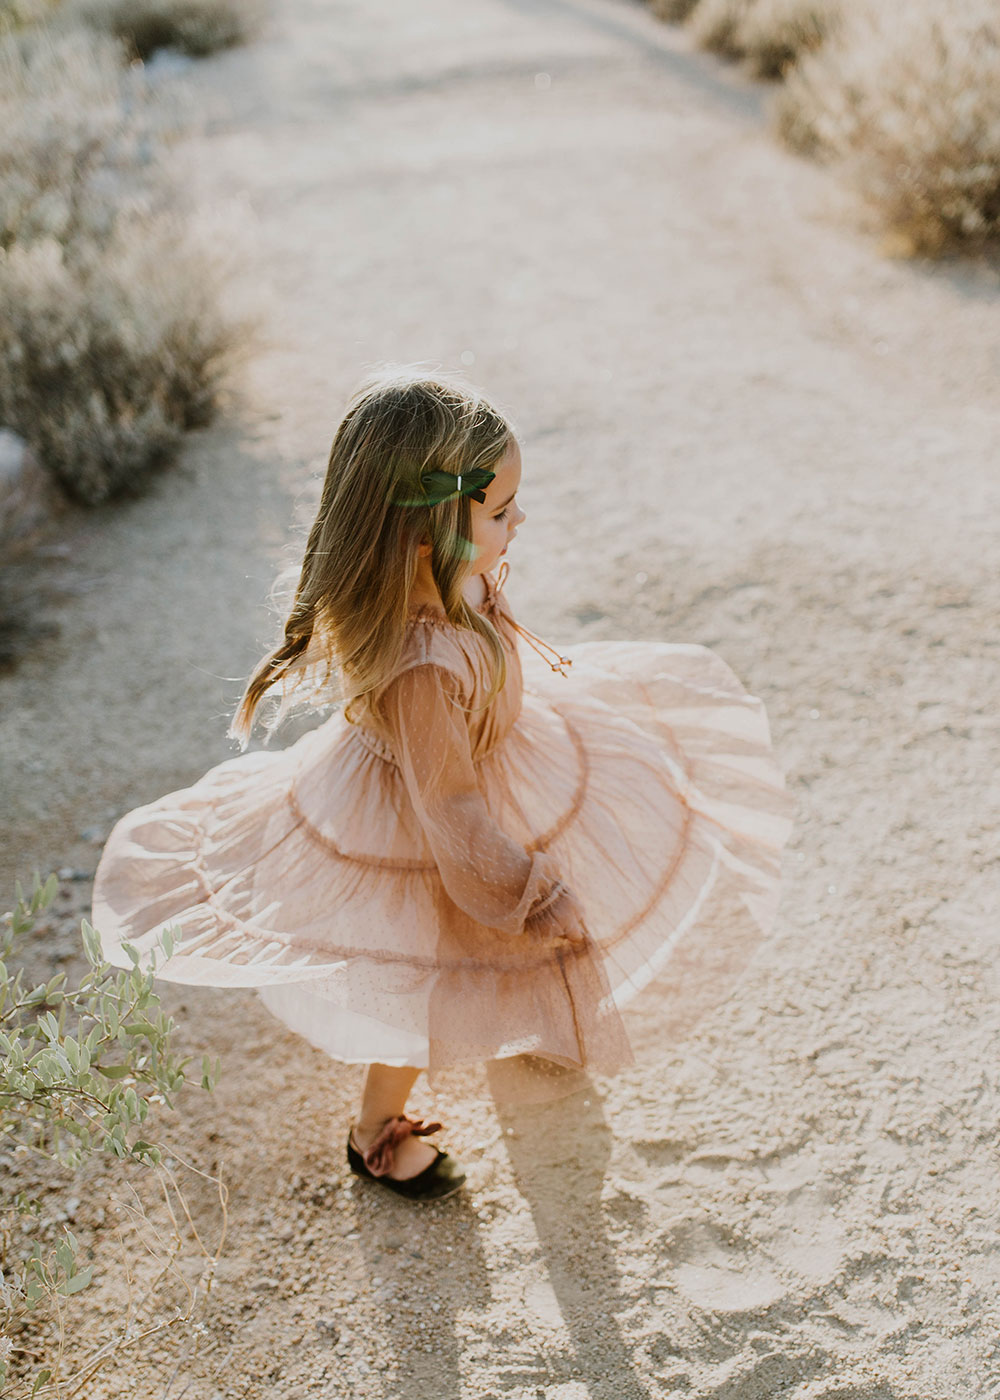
(549, 654)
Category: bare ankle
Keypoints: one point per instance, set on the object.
(370, 1125)
(366, 1130)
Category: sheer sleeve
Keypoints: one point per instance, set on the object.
(486, 873)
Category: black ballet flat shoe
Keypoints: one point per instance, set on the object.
(441, 1178)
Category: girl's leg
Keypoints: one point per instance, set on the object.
(386, 1089)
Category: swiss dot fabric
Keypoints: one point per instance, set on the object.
(486, 873)
(452, 882)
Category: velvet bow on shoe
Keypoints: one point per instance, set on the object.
(441, 1178)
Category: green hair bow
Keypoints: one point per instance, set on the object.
(442, 486)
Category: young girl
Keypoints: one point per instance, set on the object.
(456, 867)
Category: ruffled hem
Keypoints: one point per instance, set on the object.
(648, 777)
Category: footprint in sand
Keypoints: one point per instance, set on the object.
(807, 1237)
(803, 1232)
(797, 1232)
(720, 1276)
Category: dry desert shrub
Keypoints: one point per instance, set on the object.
(770, 35)
(15, 14)
(194, 27)
(907, 102)
(715, 25)
(113, 335)
(673, 11)
(106, 362)
(77, 137)
(775, 34)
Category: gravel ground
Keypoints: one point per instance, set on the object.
(742, 426)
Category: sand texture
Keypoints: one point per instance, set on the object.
(742, 426)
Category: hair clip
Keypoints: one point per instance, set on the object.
(444, 486)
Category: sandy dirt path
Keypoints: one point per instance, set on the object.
(741, 426)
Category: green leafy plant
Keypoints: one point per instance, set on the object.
(81, 1064)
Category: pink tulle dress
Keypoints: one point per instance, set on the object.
(394, 888)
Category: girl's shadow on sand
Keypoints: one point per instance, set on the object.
(559, 1152)
(426, 1266)
(428, 1270)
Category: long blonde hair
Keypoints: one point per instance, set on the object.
(345, 632)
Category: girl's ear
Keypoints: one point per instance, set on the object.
(424, 548)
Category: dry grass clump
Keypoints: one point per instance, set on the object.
(77, 136)
(907, 102)
(770, 35)
(106, 361)
(16, 14)
(194, 27)
(673, 11)
(777, 33)
(113, 339)
(715, 25)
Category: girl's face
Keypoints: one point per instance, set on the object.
(495, 520)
